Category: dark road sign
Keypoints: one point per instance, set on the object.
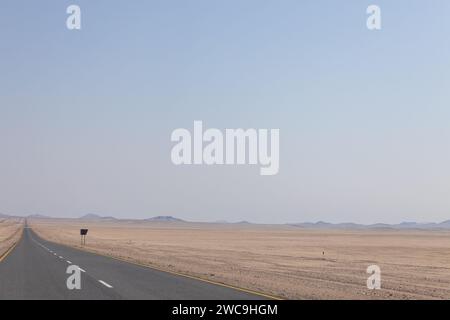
(83, 233)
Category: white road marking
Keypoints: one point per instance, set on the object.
(69, 262)
(105, 284)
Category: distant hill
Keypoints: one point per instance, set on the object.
(399, 226)
(164, 219)
(445, 224)
(327, 225)
(221, 221)
(38, 216)
(243, 222)
(4, 216)
(92, 216)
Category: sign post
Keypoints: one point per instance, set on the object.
(83, 233)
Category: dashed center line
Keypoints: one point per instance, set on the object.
(105, 284)
(69, 262)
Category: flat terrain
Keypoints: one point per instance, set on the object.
(10, 231)
(280, 260)
(37, 269)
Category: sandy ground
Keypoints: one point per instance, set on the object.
(280, 260)
(10, 232)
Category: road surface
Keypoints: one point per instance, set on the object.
(36, 269)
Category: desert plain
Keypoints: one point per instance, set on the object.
(279, 260)
(10, 232)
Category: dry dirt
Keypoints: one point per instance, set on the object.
(279, 260)
(10, 232)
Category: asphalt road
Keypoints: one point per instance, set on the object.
(36, 269)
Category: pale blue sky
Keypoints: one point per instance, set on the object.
(86, 116)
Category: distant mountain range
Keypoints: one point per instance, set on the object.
(96, 217)
(308, 225)
(243, 222)
(38, 216)
(3, 215)
(399, 226)
(165, 219)
(92, 216)
(445, 225)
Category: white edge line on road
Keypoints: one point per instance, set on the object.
(105, 284)
(61, 257)
(69, 262)
(81, 269)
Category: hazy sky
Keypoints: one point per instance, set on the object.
(364, 117)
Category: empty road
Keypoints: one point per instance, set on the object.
(36, 269)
